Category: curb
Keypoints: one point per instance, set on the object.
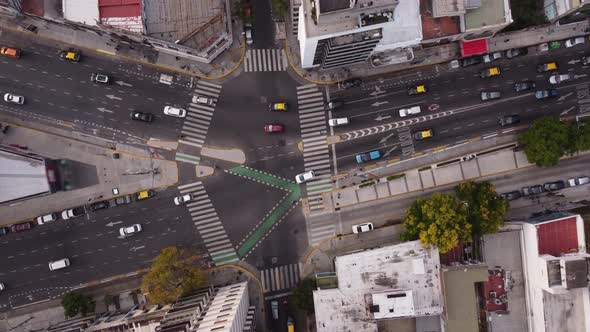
(297, 70)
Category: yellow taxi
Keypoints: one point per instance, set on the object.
(11, 52)
(489, 72)
(70, 55)
(423, 134)
(145, 194)
(547, 67)
(415, 90)
(279, 106)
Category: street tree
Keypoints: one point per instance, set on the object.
(173, 273)
(579, 138)
(440, 221)
(485, 208)
(76, 303)
(546, 141)
(303, 295)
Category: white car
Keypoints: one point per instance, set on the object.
(580, 180)
(15, 99)
(248, 32)
(100, 78)
(409, 111)
(493, 56)
(130, 230)
(361, 228)
(574, 41)
(46, 218)
(2, 287)
(174, 111)
(338, 122)
(558, 78)
(200, 99)
(303, 177)
(183, 199)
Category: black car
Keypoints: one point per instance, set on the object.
(514, 52)
(122, 200)
(99, 206)
(350, 83)
(536, 189)
(511, 195)
(470, 61)
(509, 120)
(140, 116)
(3, 230)
(556, 185)
(522, 86)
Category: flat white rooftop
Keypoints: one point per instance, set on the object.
(398, 281)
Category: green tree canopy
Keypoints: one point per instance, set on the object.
(546, 141)
(303, 295)
(485, 208)
(441, 221)
(173, 274)
(76, 303)
(579, 138)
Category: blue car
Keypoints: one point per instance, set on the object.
(364, 157)
(544, 94)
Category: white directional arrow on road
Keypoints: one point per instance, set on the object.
(573, 61)
(113, 223)
(376, 93)
(114, 97)
(382, 117)
(121, 83)
(136, 248)
(102, 109)
(567, 110)
(379, 103)
(389, 151)
(384, 139)
(562, 98)
(579, 76)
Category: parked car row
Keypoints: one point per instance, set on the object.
(546, 187)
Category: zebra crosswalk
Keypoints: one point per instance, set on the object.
(208, 224)
(196, 124)
(265, 60)
(280, 277)
(316, 152)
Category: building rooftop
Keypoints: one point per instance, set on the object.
(557, 238)
(335, 17)
(461, 298)
(488, 13)
(84, 11)
(398, 281)
(22, 176)
(437, 27)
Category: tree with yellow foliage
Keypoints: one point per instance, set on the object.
(173, 274)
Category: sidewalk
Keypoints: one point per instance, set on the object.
(224, 65)
(432, 55)
(98, 170)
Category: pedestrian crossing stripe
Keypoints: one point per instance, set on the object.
(196, 124)
(187, 158)
(258, 60)
(208, 224)
(280, 277)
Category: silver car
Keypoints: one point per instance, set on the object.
(558, 78)
(175, 111)
(580, 180)
(130, 230)
(489, 95)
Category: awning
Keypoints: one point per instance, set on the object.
(474, 47)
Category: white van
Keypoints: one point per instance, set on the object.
(60, 264)
(409, 111)
(338, 122)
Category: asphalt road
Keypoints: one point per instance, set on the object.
(94, 246)
(452, 107)
(62, 90)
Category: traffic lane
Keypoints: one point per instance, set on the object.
(92, 233)
(475, 121)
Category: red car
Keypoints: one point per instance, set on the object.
(25, 226)
(273, 128)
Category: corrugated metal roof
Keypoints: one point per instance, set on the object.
(558, 237)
